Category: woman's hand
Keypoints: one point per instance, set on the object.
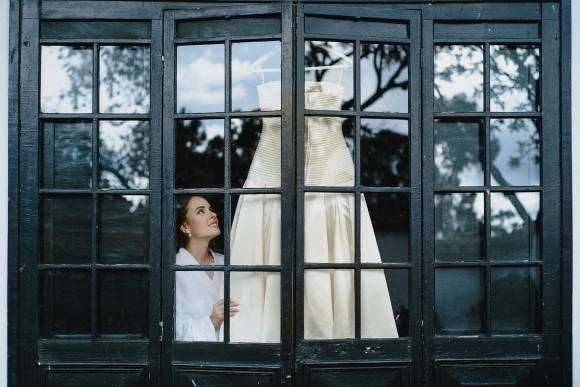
(217, 313)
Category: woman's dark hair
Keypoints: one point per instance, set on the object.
(181, 203)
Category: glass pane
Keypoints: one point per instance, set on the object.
(329, 151)
(329, 227)
(384, 153)
(255, 236)
(515, 226)
(199, 219)
(257, 297)
(199, 302)
(384, 77)
(65, 303)
(67, 155)
(515, 151)
(124, 229)
(384, 314)
(459, 227)
(515, 300)
(256, 76)
(256, 152)
(66, 229)
(459, 312)
(459, 157)
(66, 79)
(124, 79)
(389, 215)
(458, 78)
(124, 154)
(123, 302)
(199, 143)
(200, 78)
(515, 78)
(328, 304)
(328, 75)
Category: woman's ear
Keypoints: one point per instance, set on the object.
(183, 228)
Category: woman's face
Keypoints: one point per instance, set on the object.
(200, 219)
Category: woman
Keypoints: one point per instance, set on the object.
(199, 304)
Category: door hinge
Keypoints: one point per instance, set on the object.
(161, 331)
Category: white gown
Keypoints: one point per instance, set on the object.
(195, 295)
(328, 234)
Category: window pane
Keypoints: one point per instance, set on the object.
(515, 283)
(256, 152)
(65, 303)
(200, 78)
(459, 153)
(384, 314)
(329, 151)
(123, 302)
(67, 155)
(515, 151)
(515, 78)
(66, 229)
(328, 75)
(66, 79)
(255, 236)
(124, 229)
(329, 227)
(256, 76)
(389, 223)
(384, 73)
(124, 79)
(459, 226)
(199, 153)
(258, 296)
(515, 226)
(459, 312)
(328, 304)
(199, 297)
(384, 152)
(458, 78)
(124, 154)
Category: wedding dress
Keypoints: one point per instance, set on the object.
(328, 234)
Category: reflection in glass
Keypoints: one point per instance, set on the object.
(66, 229)
(514, 78)
(329, 151)
(124, 229)
(66, 79)
(183, 208)
(459, 226)
(200, 80)
(328, 74)
(256, 152)
(329, 227)
(253, 64)
(459, 312)
(515, 299)
(384, 154)
(124, 73)
(458, 78)
(128, 314)
(124, 154)
(384, 306)
(515, 226)
(67, 155)
(199, 153)
(258, 296)
(459, 153)
(328, 304)
(390, 219)
(384, 73)
(515, 151)
(256, 230)
(65, 303)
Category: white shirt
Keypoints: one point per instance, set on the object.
(195, 295)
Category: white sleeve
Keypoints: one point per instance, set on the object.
(200, 329)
